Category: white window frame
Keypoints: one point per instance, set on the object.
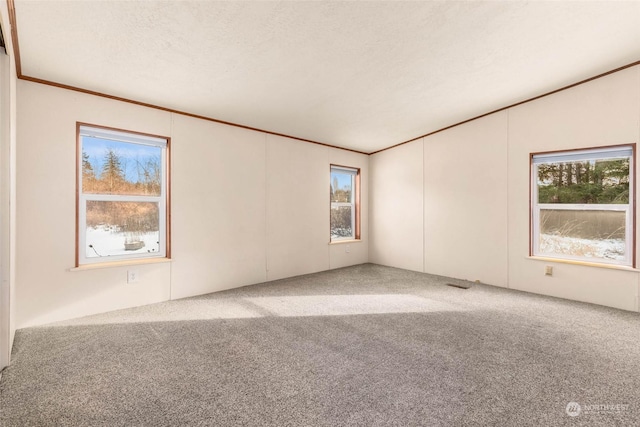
(85, 130)
(613, 152)
(355, 193)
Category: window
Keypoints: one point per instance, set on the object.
(583, 205)
(345, 203)
(122, 195)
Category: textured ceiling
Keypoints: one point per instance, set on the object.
(361, 75)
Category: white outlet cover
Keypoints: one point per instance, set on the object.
(132, 276)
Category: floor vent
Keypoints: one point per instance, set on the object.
(457, 285)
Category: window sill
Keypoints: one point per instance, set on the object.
(585, 263)
(126, 263)
(339, 242)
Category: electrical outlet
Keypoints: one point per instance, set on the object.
(548, 270)
(347, 249)
(132, 276)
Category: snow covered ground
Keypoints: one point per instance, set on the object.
(107, 242)
(612, 249)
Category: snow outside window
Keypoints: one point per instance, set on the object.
(582, 205)
(122, 195)
(344, 206)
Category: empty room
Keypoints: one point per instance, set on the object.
(319, 213)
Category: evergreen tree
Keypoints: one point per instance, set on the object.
(88, 174)
(87, 169)
(112, 174)
(600, 181)
(334, 189)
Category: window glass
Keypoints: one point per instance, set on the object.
(113, 167)
(122, 196)
(342, 186)
(341, 222)
(344, 215)
(122, 228)
(583, 205)
(591, 181)
(588, 234)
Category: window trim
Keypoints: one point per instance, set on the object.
(356, 203)
(165, 196)
(630, 207)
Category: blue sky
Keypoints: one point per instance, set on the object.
(344, 180)
(129, 153)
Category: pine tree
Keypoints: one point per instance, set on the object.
(112, 174)
(88, 174)
(334, 189)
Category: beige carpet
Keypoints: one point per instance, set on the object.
(362, 346)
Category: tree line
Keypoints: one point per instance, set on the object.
(122, 177)
(601, 182)
(341, 217)
(112, 178)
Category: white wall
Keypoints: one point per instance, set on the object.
(396, 207)
(344, 254)
(218, 207)
(605, 111)
(298, 220)
(46, 290)
(465, 201)
(7, 191)
(246, 207)
(476, 193)
(297, 207)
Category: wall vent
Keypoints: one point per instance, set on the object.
(458, 285)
